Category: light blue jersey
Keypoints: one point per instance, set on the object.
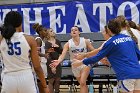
(123, 55)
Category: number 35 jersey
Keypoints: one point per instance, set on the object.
(15, 53)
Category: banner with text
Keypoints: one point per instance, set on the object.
(90, 16)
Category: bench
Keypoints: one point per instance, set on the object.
(100, 79)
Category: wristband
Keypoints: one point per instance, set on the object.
(100, 63)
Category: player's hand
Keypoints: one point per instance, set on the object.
(47, 55)
(105, 61)
(54, 63)
(55, 45)
(53, 70)
(79, 56)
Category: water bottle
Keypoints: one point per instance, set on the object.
(53, 70)
(90, 87)
(115, 90)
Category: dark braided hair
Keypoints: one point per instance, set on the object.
(124, 23)
(12, 20)
(37, 28)
(132, 24)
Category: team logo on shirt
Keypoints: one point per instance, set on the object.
(77, 50)
(122, 40)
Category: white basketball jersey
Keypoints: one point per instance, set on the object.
(43, 59)
(15, 54)
(137, 34)
(42, 50)
(81, 48)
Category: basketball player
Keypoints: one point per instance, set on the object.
(42, 32)
(117, 49)
(53, 49)
(16, 49)
(76, 45)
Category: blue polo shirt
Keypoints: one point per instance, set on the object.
(123, 56)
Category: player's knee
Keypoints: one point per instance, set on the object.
(82, 83)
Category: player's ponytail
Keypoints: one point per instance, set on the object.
(37, 28)
(12, 20)
(7, 31)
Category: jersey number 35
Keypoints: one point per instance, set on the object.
(14, 48)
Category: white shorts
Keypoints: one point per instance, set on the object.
(76, 71)
(44, 68)
(129, 85)
(19, 82)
